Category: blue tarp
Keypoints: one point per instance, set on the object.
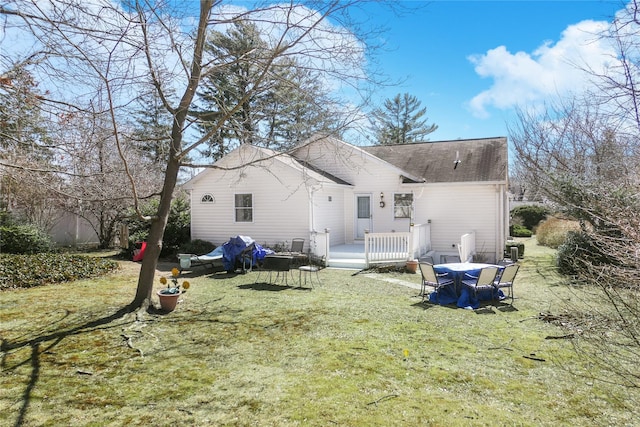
(236, 247)
(447, 295)
(465, 298)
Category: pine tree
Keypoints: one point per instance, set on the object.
(400, 121)
(289, 106)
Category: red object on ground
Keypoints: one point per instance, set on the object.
(138, 253)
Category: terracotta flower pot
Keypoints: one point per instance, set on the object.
(168, 302)
(412, 266)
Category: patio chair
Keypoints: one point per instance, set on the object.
(427, 259)
(433, 280)
(297, 245)
(506, 279)
(297, 251)
(484, 281)
(446, 259)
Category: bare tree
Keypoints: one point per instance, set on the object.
(24, 144)
(98, 189)
(582, 156)
(103, 53)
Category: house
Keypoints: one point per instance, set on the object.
(72, 230)
(447, 197)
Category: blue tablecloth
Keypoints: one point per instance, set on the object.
(459, 294)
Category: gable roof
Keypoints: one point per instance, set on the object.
(480, 160)
(247, 154)
(301, 152)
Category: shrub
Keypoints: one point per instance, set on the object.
(177, 232)
(578, 250)
(553, 231)
(518, 230)
(24, 239)
(530, 215)
(197, 247)
(25, 271)
(512, 243)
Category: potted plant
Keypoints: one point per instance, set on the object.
(170, 295)
(412, 265)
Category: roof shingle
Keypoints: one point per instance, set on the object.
(479, 159)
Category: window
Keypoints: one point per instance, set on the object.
(364, 207)
(207, 198)
(244, 207)
(402, 205)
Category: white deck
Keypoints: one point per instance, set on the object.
(352, 256)
(347, 256)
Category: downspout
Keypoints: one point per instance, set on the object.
(501, 223)
(311, 211)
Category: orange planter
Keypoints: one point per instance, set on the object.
(168, 302)
(412, 266)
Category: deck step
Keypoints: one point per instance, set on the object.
(352, 263)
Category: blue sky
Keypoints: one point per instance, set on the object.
(518, 46)
(471, 63)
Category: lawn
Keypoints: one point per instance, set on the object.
(358, 350)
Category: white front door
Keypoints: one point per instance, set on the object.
(363, 214)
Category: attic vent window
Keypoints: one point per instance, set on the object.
(208, 198)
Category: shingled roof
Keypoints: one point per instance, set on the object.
(483, 159)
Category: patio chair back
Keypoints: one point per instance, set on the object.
(508, 275)
(507, 278)
(431, 279)
(487, 276)
(297, 245)
(446, 259)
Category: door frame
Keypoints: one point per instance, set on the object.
(357, 221)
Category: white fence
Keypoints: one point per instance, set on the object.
(467, 247)
(319, 244)
(379, 248)
(386, 247)
(421, 239)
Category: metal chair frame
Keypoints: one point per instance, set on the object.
(506, 279)
(432, 279)
(484, 281)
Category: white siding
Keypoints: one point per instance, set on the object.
(338, 159)
(283, 210)
(70, 230)
(367, 175)
(280, 205)
(330, 213)
(458, 209)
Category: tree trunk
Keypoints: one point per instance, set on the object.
(159, 222)
(154, 241)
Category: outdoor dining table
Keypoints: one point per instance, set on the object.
(459, 294)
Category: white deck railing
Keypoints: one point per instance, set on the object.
(421, 239)
(319, 244)
(386, 247)
(467, 247)
(394, 247)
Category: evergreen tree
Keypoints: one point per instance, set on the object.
(289, 106)
(400, 121)
(240, 53)
(152, 134)
(21, 131)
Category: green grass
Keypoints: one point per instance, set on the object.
(359, 350)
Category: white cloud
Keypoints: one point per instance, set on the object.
(550, 71)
